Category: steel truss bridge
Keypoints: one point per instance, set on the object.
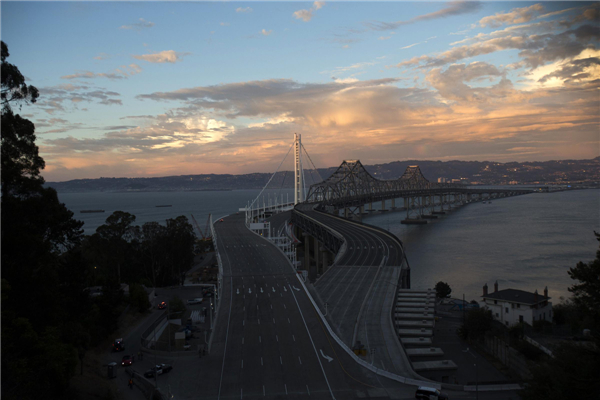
(351, 187)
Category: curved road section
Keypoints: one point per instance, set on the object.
(273, 342)
(358, 291)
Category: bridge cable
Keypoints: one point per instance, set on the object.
(271, 178)
(313, 164)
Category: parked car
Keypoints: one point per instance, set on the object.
(118, 345)
(162, 305)
(426, 393)
(208, 293)
(158, 369)
(126, 361)
(197, 300)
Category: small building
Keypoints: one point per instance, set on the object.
(513, 306)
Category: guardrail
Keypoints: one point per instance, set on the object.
(219, 290)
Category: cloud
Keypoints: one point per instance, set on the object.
(138, 26)
(102, 56)
(535, 50)
(266, 32)
(451, 9)
(468, 111)
(450, 83)
(515, 16)
(224, 23)
(66, 97)
(166, 56)
(306, 15)
(123, 72)
(243, 10)
(384, 37)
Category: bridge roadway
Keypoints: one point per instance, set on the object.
(365, 276)
(272, 340)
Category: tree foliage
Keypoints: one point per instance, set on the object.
(442, 290)
(571, 374)
(49, 320)
(586, 293)
(477, 322)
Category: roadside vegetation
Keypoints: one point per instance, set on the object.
(50, 320)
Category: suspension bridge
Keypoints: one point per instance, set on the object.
(327, 284)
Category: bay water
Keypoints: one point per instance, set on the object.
(524, 242)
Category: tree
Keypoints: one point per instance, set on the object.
(21, 163)
(477, 322)
(442, 290)
(41, 276)
(571, 374)
(586, 293)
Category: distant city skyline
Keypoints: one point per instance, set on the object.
(169, 88)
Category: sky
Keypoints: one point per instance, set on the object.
(142, 89)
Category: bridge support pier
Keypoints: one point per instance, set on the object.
(306, 251)
(393, 204)
(316, 251)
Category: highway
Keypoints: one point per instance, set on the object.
(364, 277)
(272, 340)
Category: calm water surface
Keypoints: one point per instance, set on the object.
(525, 242)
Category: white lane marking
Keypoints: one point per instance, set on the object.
(273, 320)
(257, 306)
(269, 294)
(284, 307)
(244, 323)
(271, 306)
(259, 339)
(261, 290)
(264, 394)
(281, 294)
(226, 337)
(249, 291)
(242, 340)
(259, 321)
(313, 345)
(273, 289)
(242, 364)
(289, 321)
(307, 390)
(280, 360)
(300, 360)
(326, 357)
(241, 390)
(294, 337)
(284, 289)
(285, 388)
(296, 289)
(277, 338)
(261, 361)
(237, 291)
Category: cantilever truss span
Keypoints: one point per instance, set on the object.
(351, 181)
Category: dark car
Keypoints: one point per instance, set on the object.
(208, 293)
(424, 392)
(118, 345)
(158, 369)
(162, 305)
(126, 361)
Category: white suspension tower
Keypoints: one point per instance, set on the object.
(298, 172)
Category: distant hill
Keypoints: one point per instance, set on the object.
(472, 172)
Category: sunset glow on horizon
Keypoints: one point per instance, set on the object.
(169, 88)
